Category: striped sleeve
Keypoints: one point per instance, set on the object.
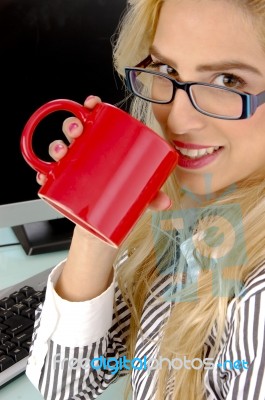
(66, 340)
(248, 347)
(239, 372)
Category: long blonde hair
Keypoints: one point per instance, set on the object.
(239, 214)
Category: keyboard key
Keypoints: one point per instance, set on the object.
(17, 324)
(29, 313)
(22, 337)
(27, 290)
(7, 302)
(4, 338)
(18, 353)
(7, 346)
(26, 345)
(3, 328)
(40, 296)
(5, 314)
(6, 362)
(29, 301)
(18, 308)
(36, 305)
(17, 296)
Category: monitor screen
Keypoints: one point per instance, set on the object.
(50, 49)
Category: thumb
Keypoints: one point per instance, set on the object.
(160, 202)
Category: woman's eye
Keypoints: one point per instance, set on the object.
(230, 81)
(163, 68)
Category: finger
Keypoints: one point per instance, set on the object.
(57, 149)
(160, 202)
(92, 101)
(41, 178)
(72, 128)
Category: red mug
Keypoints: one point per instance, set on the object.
(109, 175)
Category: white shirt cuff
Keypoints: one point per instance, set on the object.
(81, 323)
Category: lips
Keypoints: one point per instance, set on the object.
(197, 153)
(191, 145)
(195, 156)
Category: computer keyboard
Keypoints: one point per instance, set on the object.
(17, 313)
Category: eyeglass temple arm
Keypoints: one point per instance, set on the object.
(260, 98)
(255, 102)
(144, 63)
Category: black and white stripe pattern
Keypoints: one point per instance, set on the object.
(243, 339)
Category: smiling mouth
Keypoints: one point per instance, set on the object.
(194, 154)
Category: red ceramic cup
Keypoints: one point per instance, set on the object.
(110, 173)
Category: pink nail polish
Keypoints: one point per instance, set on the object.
(73, 126)
(58, 148)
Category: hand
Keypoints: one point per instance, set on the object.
(72, 128)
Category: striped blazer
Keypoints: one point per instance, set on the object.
(79, 348)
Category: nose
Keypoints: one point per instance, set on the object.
(183, 117)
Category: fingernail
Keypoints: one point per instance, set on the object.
(90, 97)
(58, 148)
(73, 126)
(38, 175)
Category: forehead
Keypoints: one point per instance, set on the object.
(202, 30)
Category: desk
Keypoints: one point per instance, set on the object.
(15, 266)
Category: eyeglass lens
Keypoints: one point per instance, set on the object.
(207, 98)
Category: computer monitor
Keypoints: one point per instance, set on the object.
(50, 49)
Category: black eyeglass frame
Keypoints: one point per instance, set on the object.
(250, 102)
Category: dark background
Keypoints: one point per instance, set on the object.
(50, 49)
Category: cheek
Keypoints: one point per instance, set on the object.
(161, 114)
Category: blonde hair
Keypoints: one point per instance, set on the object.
(242, 205)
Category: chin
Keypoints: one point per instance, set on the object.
(202, 187)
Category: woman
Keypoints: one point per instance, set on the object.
(189, 281)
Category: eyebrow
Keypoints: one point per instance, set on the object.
(219, 66)
(228, 65)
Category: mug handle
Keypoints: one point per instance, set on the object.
(28, 153)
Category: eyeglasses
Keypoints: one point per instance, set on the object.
(212, 100)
